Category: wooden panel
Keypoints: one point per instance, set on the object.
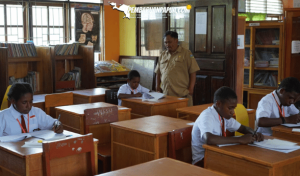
(101, 132)
(138, 108)
(163, 146)
(253, 100)
(168, 110)
(201, 90)
(286, 136)
(135, 116)
(201, 39)
(12, 162)
(19, 70)
(71, 122)
(218, 29)
(289, 169)
(211, 64)
(216, 83)
(79, 99)
(124, 115)
(87, 67)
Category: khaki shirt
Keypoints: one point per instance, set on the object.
(175, 70)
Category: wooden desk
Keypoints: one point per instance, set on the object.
(16, 160)
(251, 161)
(166, 106)
(192, 113)
(285, 133)
(162, 167)
(72, 116)
(89, 95)
(39, 101)
(140, 140)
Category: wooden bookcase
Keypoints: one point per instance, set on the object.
(263, 41)
(20, 66)
(104, 79)
(64, 64)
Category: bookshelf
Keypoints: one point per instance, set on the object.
(264, 52)
(20, 66)
(63, 64)
(108, 79)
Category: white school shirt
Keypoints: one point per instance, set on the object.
(37, 119)
(126, 89)
(208, 121)
(267, 107)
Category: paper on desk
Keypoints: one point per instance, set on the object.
(152, 96)
(15, 138)
(47, 135)
(291, 125)
(33, 144)
(296, 129)
(277, 145)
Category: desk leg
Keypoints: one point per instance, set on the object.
(112, 148)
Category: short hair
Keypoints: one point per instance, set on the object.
(224, 93)
(173, 34)
(290, 84)
(17, 90)
(133, 74)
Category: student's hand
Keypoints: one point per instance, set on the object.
(246, 139)
(293, 119)
(138, 95)
(158, 89)
(59, 128)
(259, 137)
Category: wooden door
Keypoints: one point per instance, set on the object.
(292, 28)
(213, 45)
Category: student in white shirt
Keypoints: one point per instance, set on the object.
(21, 117)
(210, 127)
(132, 88)
(278, 107)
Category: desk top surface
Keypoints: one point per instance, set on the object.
(153, 125)
(79, 109)
(165, 100)
(16, 147)
(90, 92)
(285, 130)
(39, 98)
(196, 110)
(163, 166)
(256, 154)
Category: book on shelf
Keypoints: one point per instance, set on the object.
(66, 49)
(73, 75)
(20, 49)
(266, 79)
(32, 77)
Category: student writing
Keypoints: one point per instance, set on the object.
(210, 127)
(278, 107)
(21, 116)
(132, 88)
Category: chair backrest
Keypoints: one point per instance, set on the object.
(82, 147)
(59, 99)
(5, 103)
(111, 96)
(241, 116)
(97, 121)
(67, 85)
(180, 144)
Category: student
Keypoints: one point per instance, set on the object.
(132, 88)
(210, 127)
(21, 117)
(278, 107)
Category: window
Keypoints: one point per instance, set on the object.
(11, 27)
(264, 6)
(48, 25)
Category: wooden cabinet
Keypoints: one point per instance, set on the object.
(109, 79)
(264, 53)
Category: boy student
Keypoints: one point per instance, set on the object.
(21, 116)
(132, 88)
(278, 107)
(210, 127)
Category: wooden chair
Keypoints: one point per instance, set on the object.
(74, 149)
(180, 144)
(59, 99)
(241, 115)
(111, 96)
(98, 121)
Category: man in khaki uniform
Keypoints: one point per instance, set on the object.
(176, 69)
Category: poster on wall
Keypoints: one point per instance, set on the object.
(87, 25)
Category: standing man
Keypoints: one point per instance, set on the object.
(176, 69)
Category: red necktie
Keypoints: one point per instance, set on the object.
(23, 123)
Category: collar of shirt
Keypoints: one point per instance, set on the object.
(16, 114)
(134, 90)
(178, 50)
(276, 97)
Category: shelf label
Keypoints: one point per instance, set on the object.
(254, 24)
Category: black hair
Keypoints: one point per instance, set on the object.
(290, 84)
(224, 93)
(173, 34)
(17, 90)
(133, 74)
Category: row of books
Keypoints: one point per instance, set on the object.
(266, 55)
(20, 49)
(66, 49)
(33, 78)
(73, 75)
(266, 79)
(267, 37)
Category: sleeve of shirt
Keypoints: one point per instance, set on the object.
(205, 124)
(264, 109)
(232, 125)
(1, 124)
(293, 110)
(157, 68)
(192, 64)
(45, 122)
(122, 89)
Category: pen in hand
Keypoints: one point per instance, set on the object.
(255, 132)
(58, 122)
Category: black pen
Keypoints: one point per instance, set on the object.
(255, 132)
(57, 123)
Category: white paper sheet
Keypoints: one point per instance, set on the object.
(295, 47)
(296, 129)
(153, 96)
(240, 42)
(201, 23)
(33, 144)
(277, 145)
(291, 125)
(15, 138)
(224, 145)
(48, 135)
